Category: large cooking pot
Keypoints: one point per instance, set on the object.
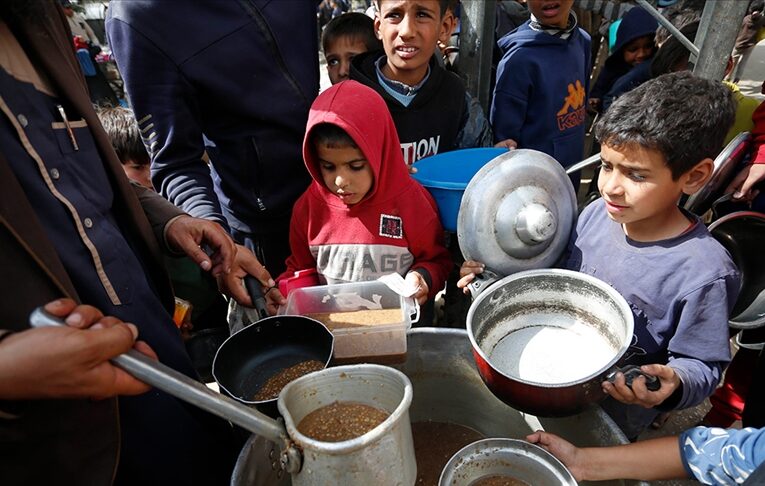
(544, 340)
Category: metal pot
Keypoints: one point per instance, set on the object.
(575, 312)
(517, 459)
(448, 388)
(384, 455)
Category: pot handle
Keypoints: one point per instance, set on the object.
(481, 282)
(256, 294)
(631, 372)
(191, 391)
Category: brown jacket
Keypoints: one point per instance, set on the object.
(64, 441)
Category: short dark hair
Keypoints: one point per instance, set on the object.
(331, 135)
(679, 18)
(122, 128)
(682, 116)
(444, 4)
(354, 25)
(756, 6)
(673, 52)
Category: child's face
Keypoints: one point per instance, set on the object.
(409, 30)
(345, 172)
(140, 173)
(638, 188)
(339, 54)
(638, 50)
(551, 12)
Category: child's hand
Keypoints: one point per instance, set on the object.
(639, 394)
(509, 144)
(274, 299)
(468, 271)
(418, 281)
(571, 456)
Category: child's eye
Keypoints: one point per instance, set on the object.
(358, 167)
(333, 62)
(636, 177)
(605, 166)
(327, 167)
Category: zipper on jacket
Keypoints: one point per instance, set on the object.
(256, 180)
(260, 21)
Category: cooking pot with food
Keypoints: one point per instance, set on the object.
(544, 340)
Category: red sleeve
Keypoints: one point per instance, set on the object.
(301, 257)
(758, 135)
(430, 254)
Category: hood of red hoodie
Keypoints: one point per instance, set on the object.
(363, 114)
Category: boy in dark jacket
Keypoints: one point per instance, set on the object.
(430, 107)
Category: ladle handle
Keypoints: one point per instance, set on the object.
(181, 386)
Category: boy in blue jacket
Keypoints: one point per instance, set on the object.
(658, 142)
(542, 83)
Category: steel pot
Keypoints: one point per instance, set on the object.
(513, 458)
(544, 340)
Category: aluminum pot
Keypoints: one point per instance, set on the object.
(544, 340)
(516, 459)
(384, 455)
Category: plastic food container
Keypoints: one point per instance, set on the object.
(368, 319)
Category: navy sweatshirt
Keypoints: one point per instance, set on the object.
(540, 95)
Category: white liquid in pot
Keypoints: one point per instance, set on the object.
(552, 355)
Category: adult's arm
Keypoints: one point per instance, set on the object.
(722, 456)
(166, 107)
(743, 184)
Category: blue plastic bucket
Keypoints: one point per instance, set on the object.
(447, 175)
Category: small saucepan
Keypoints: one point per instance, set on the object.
(249, 358)
(545, 340)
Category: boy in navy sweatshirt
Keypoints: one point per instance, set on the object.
(542, 83)
(657, 143)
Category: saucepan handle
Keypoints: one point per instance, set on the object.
(630, 372)
(481, 282)
(256, 294)
(191, 391)
(412, 309)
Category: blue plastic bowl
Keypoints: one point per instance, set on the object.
(447, 175)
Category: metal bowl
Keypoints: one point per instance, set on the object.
(517, 459)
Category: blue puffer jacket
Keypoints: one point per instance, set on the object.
(233, 77)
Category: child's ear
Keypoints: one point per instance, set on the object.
(448, 23)
(377, 25)
(695, 178)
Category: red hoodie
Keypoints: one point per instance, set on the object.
(394, 228)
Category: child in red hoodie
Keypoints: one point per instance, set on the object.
(363, 216)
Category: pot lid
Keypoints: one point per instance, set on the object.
(517, 213)
(725, 166)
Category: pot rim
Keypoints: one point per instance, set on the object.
(352, 445)
(620, 302)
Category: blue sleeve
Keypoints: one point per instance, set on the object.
(722, 456)
(475, 130)
(699, 349)
(165, 105)
(511, 94)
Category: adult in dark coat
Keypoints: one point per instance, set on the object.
(59, 420)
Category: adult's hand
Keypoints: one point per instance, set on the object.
(186, 234)
(70, 361)
(743, 184)
(567, 453)
(638, 394)
(246, 263)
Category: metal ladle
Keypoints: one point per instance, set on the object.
(181, 386)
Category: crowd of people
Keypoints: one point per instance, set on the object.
(229, 162)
